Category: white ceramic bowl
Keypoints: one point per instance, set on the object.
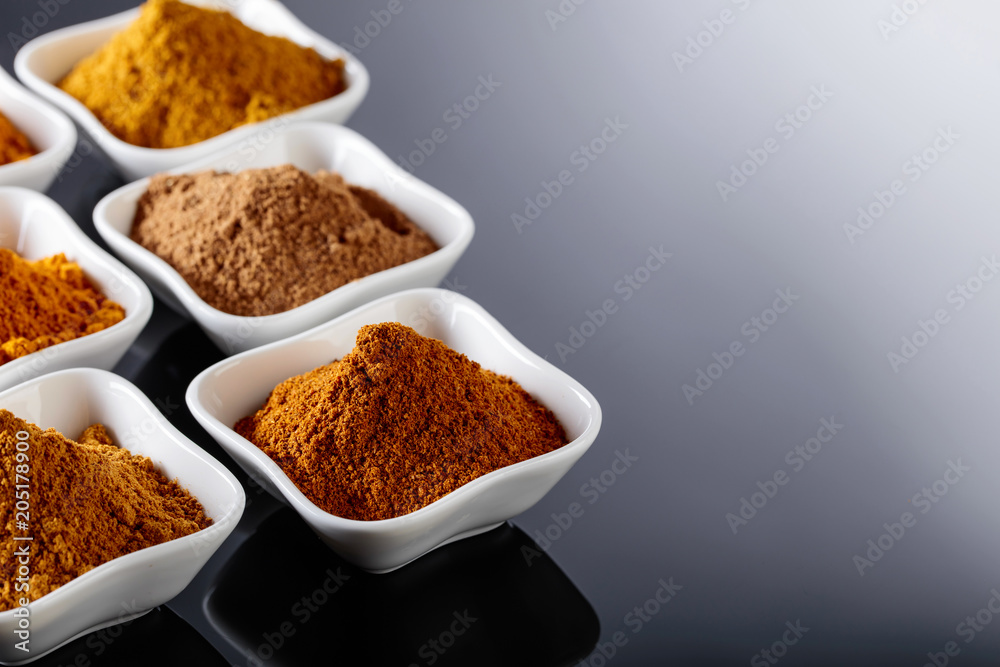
(51, 133)
(237, 387)
(43, 62)
(133, 584)
(34, 226)
(309, 146)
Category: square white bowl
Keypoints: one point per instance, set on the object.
(132, 584)
(51, 133)
(34, 227)
(237, 387)
(44, 61)
(309, 146)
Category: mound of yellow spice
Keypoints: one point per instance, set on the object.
(14, 145)
(182, 74)
(88, 503)
(46, 302)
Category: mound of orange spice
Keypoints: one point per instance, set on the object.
(46, 302)
(399, 422)
(14, 145)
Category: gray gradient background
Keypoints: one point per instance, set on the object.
(784, 229)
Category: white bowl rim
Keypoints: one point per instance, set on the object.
(320, 517)
(137, 317)
(339, 133)
(104, 570)
(358, 83)
(66, 128)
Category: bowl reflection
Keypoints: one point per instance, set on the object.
(495, 599)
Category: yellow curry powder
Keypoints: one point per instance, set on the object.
(46, 302)
(14, 145)
(181, 74)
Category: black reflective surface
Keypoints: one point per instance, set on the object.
(489, 600)
(159, 638)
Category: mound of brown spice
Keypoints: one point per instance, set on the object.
(264, 241)
(399, 422)
(180, 74)
(14, 145)
(88, 503)
(46, 302)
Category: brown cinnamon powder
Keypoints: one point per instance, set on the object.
(399, 422)
(264, 241)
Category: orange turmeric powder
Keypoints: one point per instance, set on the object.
(181, 74)
(396, 424)
(46, 302)
(14, 145)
